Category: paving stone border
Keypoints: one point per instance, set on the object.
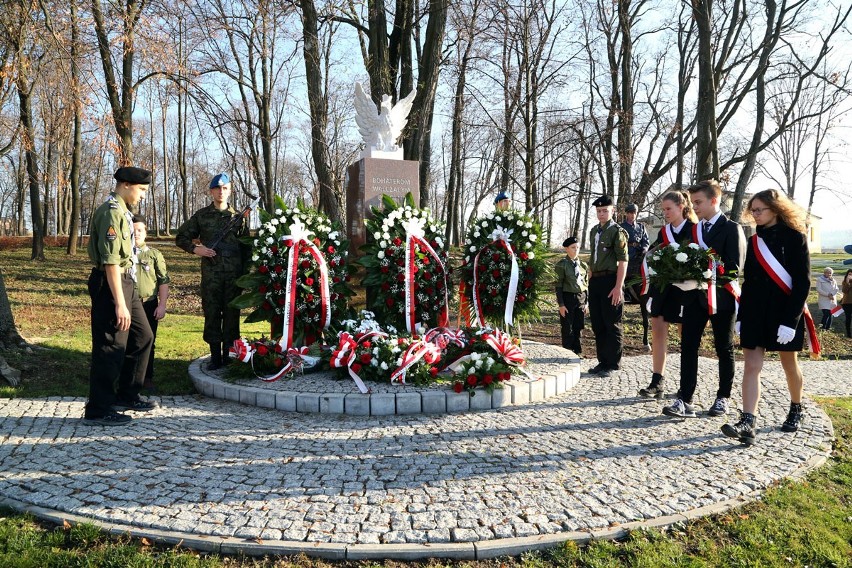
(552, 371)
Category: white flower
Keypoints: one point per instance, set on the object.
(466, 258)
(651, 271)
(261, 231)
(433, 228)
(376, 351)
(278, 212)
(399, 362)
(498, 218)
(478, 364)
(656, 256)
(528, 225)
(675, 246)
(333, 235)
(474, 356)
(532, 255)
(269, 240)
(254, 257)
(386, 236)
(533, 237)
(384, 366)
(693, 246)
(383, 244)
(377, 235)
(681, 257)
(483, 224)
(395, 349)
(420, 329)
(476, 235)
(374, 362)
(472, 248)
(381, 254)
(525, 234)
(707, 274)
(256, 243)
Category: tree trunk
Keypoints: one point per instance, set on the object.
(625, 123)
(28, 137)
(77, 144)
(9, 336)
(707, 150)
(328, 202)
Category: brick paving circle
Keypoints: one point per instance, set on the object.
(226, 477)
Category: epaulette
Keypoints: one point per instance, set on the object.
(113, 202)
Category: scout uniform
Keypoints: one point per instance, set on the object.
(219, 274)
(571, 288)
(151, 273)
(609, 247)
(117, 355)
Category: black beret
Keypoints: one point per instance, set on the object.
(569, 241)
(131, 174)
(139, 219)
(631, 208)
(602, 201)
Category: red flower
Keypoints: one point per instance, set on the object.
(521, 298)
(278, 361)
(721, 269)
(309, 281)
(397, 241)
(414, 269)
(262, 350)
(385, 269)
(263, 269)
(262, 289)
(527, 283)
(495, 257)
(333, 262)
(277, 286)
(282, 301)
(365, 358)
(524, 256)
(458, 387)
(278, 269)
(330, 249)
(266, 306)
(385, 286)
(528, 270)
(400, 262)
(493, 292)
(305, 264)
(400, 277)
(335, 279)
(347, 278)
(495, 273)
(430, 290)
(316, 241)
(433, 371)
(366, 345)
(389, 301)
(356, 368)
(309, 298)
(426, 260)
(427, 275)
(487, 379)
(273, 249)
(334, 296)
(471, 380)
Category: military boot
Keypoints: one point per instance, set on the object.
(744, 430)
(794, 418)
(215, 356)
(655, 389)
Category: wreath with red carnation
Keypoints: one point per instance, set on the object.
(504, 258)
(407, 267)
(300, 277)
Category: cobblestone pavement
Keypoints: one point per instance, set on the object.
(585, 460)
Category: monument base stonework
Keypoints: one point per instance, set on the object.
(367, 180)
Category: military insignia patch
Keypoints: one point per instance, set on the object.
(111, 234)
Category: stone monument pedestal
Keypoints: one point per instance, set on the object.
(369, 178)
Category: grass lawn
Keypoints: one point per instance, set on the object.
(795, 524)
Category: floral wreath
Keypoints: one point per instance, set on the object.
(405, 261)
(299, 281)
(504, 257)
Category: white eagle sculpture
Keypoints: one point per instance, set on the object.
(381, 130)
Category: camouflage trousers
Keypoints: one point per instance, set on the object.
(221, 323)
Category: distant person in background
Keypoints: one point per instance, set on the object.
(571, 287)
(637, 245)
(501, 202)
(772, 305)
(846, 300)
(152, 282)
(827, 291)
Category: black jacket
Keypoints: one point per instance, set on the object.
(726, 237)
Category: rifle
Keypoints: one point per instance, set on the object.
(232, 223)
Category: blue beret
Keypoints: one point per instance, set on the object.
(500, 197)
(219, 180)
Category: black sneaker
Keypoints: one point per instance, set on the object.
(138, 405)
(744, 430)
(111, 419)
(719, 408)
(679, 409)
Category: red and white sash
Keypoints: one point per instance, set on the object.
(784, 281)
(668, 234)
(644, 272)
(698, 238)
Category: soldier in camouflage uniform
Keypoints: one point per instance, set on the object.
(221, 266)
(121, 336)
(152, 282)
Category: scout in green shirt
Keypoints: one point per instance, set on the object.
(571, 286)
(608, 268)
(121, 336)
(152, 282)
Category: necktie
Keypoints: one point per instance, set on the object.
(707, 225)
(134, 258)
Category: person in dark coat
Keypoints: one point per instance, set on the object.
(664, 306)
(637, 246)
(772, 305)
(726, 237)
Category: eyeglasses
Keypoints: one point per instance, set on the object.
(759, 210)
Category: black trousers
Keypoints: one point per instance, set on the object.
(606, 321)
(847, 311)
(117, 356)
(149, 306)
(826, 319)
(695, 318)
(572, 323)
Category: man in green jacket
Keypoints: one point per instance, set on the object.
(571, 287)
(608, 268)
(221, 266)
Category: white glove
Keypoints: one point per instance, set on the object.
(737, 327)
(785, 334)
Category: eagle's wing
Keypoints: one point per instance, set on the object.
(366, 116)
(399, 114)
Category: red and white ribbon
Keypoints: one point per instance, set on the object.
(344, 355)
(444, 336)
(244, 352)
(733, 287)
(414, 234)
(784, 280)
(644, 273)
(500, 238)
(837, 311)
(698, 238)
(504, 346)
(419, 349)
(668, 235)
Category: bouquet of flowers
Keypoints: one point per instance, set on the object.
(407, 265)
(300, 275)
(688, 267)
(504, 257)
(481, 370)
(269, 360)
